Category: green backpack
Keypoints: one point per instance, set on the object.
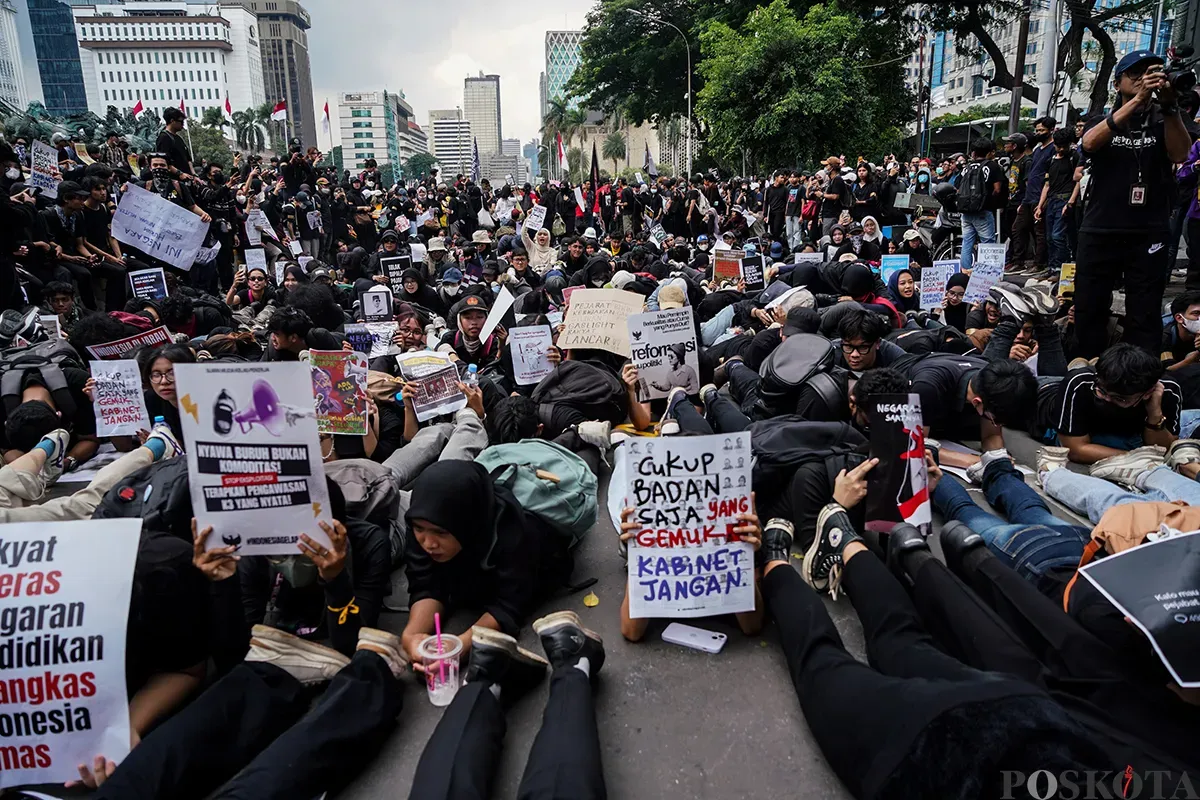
(549, 481)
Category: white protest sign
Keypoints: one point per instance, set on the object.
(435, 378)
(596, 320)
(254, 459)
(535, 219)
(663, 348)
(256, 258)
(529, 345)
(206, 255)
(119, 403)
(44, 172)
(294, 246)
(62, 645)
(808, 258)
(256, 225)
(986, 272)
(933, 283)
(890, 265)
(158, 227)
(53, 326)
(314, 221)
(639, 177)
(684, 558)
(504, 301)
(424, 217)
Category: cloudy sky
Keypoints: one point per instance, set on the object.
(423, 48)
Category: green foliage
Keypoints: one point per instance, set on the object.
(209, 145)
(614, 148)
(249, 129)
(213, 118)
(419, 164)
(975, 112)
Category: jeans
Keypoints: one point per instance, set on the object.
(1189, 418)
(1056, 232)
(1139, 258)
(712, 330)
(795, 231)
(981, 228)
(19, 490)
(462, 441)
(1092, 497)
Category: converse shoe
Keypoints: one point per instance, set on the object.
(707, 393)
(1011, 300)
(1050, 459)
(1125, 468)
(1183, 451)
(596, 434)
(975, 473)
(566, 641)
(496, 659)
(721, 373)
(668, 425)
(778, 535)
(164, 434)
(385, 645)
(55, 459)
(823, 561)
(307, 662)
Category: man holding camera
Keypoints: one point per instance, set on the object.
(1128, 205)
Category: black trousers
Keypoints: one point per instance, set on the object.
(1193, 269)
(116, 281)
(253, 724)
(743, 387)
(1020, 234)
(723, 416)
(1140, 260)
(459, 761)
(82, 277)
(1052, 360)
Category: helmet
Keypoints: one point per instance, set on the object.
(947, 195)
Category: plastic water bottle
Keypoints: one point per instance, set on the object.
(472, 378)
(159, 420)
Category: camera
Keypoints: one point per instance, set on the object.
(1180, 69)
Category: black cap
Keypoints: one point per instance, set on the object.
(794, 324)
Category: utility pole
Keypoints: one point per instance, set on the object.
(1049, 62)
(1018, 86)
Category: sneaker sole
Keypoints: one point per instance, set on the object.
(277, 641)
(377, 640)
(810, 555)
(552, 622)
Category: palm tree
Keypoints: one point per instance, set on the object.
(614, 148)
(213, 118)
(575, 162)
(573, 124)
(248, 130)
(553, 122)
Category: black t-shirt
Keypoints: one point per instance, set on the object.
(1061, 174)
(1138, 156)
(95, 226)
(776, 199)
(157, 407)
(833, 208)
(1175, 348)
(1078, 412)
(993, 174)
(795, 200)
(941, 380)
(175, 149)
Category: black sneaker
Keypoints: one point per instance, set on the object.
(823, 561)
(721, 373)
(778, 535)
(904, 538)
(565, 641)
(496, 659)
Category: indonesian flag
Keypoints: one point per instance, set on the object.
(139, 108)
(183, 108)
(325, 119)
(280, 112)
(562, 152)
(228, 108)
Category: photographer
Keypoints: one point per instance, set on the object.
(1126, 218)
(297, 169)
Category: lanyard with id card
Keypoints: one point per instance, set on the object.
(1137, 192)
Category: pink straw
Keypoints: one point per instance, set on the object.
(437, 626)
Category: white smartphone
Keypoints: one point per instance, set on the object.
(695, 638)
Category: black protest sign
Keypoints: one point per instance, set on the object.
(393, 267)
(752, 273)
(898, 486)
(148, 284)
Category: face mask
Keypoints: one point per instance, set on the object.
(299, 571)
(450, 289)
(241, 198)
(1192, 325)
(598, 284)
(923, 178)
(218, 177)
(324, 190)
(940, 170)
(703, 248)
(495, 288)
(911, 175)
(13, 174)
(161, 174)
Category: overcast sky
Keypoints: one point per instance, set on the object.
(423, 48)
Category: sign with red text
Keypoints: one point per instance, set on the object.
(119, 402)
(64, 604)
(123, 347)
(685, 560)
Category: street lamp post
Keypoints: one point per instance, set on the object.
(687, 45)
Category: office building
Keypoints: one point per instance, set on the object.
(450, 142)
(287, 76)
(12, 73)
(163, 54)
(543, 97)
(481, 108)
(57, 52)
(378, 125)
(530, 153)
(562, 59)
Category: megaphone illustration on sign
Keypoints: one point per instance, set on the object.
(264, 409)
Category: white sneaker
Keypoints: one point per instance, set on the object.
(975, 473)
(1183, 451)
(596, 434)
(1125, 468)
(668, 426)
(53, 467)
(307, 662)
(164, 434)
(385, 645)
(1050, 459)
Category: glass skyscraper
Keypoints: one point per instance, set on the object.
(562, 58)
(57, 52)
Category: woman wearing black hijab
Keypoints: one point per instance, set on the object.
(470, 544)
(413, 290)
(954, 310)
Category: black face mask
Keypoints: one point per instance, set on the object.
(218, 178)
(161, 174)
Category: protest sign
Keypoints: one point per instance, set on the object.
(987, 271)
(393, 267)
(254, 462)
(1066, 280)
(663, 348)
(890, 265)
(314, 221)
(933, 283)
(295, 247)
(376, 304)
(256, 258)
(44, 173)
(359, 338)
(555, 318)
(62, 645)
(257, 224)
(809, 258)
(148, 284)
(504, 301)
(207, 255)
(158, 227)
(898, 486)
(122, 347)
(728, 264)
(596, 320)
(1157, 587)
(339, 382)
(435, 378)
(535, 219)
(303, 261)
(568, 291)
(119, 404)
(684, 559)
(53, 325)
(639, 178)
(529, 345)
(659, 234)
(752, 273)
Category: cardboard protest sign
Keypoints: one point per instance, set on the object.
(158, 227)
(663, 348)
(659, 234)
(684, 559)
(529, 345)
(933, 283)
(535, 219)
(986, 272)
(1066, 280)
(393, 267)
(376, 304)
(119, 403)
(504, 301)
(44, 173)
(596, 320)
(1157, 586)
(436, 380)
(62, 645)
(752, 273)
(339, 381)
(254, 461)
(727, 264)
(898, 486)
(890, 265)
(53, 325)
(148, 284)
(123, 347)
(808, 258)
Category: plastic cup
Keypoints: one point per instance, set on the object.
(441, 669)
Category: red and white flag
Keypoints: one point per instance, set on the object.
(183, 108)
(325, 119)
(139, 108)
(562, 152)
(280, 112)
(228, 108)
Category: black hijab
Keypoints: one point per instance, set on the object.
(956, 316)
(438, 497)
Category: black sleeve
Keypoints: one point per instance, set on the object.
(513, 574)
(1172, 405)
(1074, 401)
(370, 584)
(254, 576)
(761, 346)
(391, 432)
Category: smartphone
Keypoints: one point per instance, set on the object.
(694, 638)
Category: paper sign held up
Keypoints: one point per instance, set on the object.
(596, 320)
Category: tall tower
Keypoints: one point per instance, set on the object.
(481, 108)
(12, 74)
(562, 59)
(57, 50)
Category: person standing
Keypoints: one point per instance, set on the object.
(1016, 230)
(171, 144)
(980, 193)
(775, 203)
(1043, 151)
(1126, 220)
(793, 222)
(1057, 201)
(836, 196)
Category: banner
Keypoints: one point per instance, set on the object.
(254, 462)
(158, 227)
(339, 382)
(596, 320)
(123, 347)
(933, 283)
(119, 402)
(148, 284)
(808, 258)
(986, 272)
(535, 219)
(663, 348)
(752, 273)
(64, 613)
(393, 267)
(890, 265)
(898, 486)
(529, 345)
(435, 378)
(44, 173)
(376, 304)
(684, 559)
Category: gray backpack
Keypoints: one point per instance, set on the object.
(372, 494)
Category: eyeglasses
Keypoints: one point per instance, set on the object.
(412, 330)
(956, 294)
(256, 278)
(861, 349)
(162, 377)
(1120, 400)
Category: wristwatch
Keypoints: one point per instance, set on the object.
(1156, 426)
(1112, 124)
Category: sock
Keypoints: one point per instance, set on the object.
(495, 690)
(46, 446)
(156, 446)
(993, 455)
(584, 666)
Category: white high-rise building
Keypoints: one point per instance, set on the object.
(167, 53)
(12, 74)
(378, 125)
(451, 142)
(481, 108)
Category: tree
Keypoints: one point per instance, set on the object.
(213, 118)
(248, 131)
(419, 164)
(574, 163)
(614, 149)
(209, 145)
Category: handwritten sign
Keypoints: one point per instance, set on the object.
(123, 347)
(158, 227)
(890, 265)
(684, 559)
(987, 271)
(529, 345)
(339, 382)
(535, 220)
(62, 647)
(44, 172)
(119, 403)
(435, 378)
(596, 320)
(933, 283)
(663, 348)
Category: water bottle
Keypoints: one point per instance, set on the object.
(159, 420)
(472, 378)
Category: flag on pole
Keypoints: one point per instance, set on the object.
(648, 163)
(228, 107)
(280, 112)
(562, 152)
(475, 160)
(595, 179)
(139, 108)
(182, 107)
(325, 119)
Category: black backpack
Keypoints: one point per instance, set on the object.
(782, 444)
(785, 371)
(972, 189)
(47, 358)
(158, 494)
(591, 390)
